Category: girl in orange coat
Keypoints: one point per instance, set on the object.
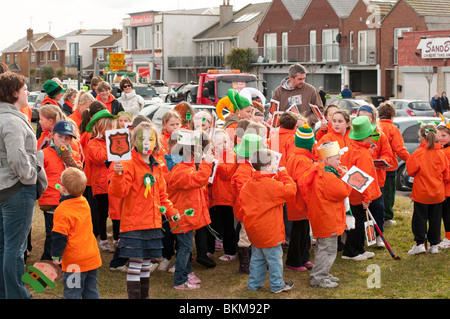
(326, 128)
(340, 128)
(49, 115)
(186, 186)
(97, 157)
(140, 186)
(444, 139)
(430, 168)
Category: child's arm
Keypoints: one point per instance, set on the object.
(287, 187)
(120, 182)
(398, 145)
(184, 177)
(336, 190)
(97, 153)
(59, 242)
(413, 165)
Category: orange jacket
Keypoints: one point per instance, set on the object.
(359, 155)
(297, 164)
(262, 199)
(108, 103)
(73, 219)
(282, 141)
(54, 166)
(49, 100)
(446, 151)
(430, 171)
(186, 187)
(43, 140)
(325, 193)
(96, 156)
(382, 150)
(27, 111)
(137, 211)
(396, 141)
(320, 133)
(221, 191)
(243, 173)
(332, 136)
(76, 117)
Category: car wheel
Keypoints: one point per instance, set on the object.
(401, 182)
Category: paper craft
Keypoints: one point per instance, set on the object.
(381, 164)
(277, 161)
(318, 113)
(357, 179)
(274, 114)
(370, 232)
(186, 137)
(118, 144)
(215, 164)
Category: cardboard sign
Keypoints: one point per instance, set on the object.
(381, 164)
(357, 179)
(318, 113)
(118, 144)
(370, 232)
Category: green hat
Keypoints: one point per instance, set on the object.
(97, 116)
(249, 144)
(52, 88)
(361, 128)
(304, 137)
(239, 102)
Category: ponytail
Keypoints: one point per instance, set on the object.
(428, 132)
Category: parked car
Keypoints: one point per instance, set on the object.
(32, 98)
(409, 127)
(37, 105)
(351, 105)
(162, 91)
(149, 94)
(184, 92)
(413, 108)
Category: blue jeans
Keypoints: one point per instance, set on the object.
(183, 266)
(81, 285)
(16, 216)
(274, 257)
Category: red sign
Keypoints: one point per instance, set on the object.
(144, 72)
(142, 19)
(119, 144)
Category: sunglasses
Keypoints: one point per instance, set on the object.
(126, 86)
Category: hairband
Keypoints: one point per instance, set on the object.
(427, 130)
(366, 108)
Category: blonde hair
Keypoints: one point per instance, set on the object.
(74, 180)
(76, 131)
(68, 94)
(145, 126)
(52, 112)
(429, 133)
(374, 112)
(83, 97)
(102, 125)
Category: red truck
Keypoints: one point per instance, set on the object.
(214, 84)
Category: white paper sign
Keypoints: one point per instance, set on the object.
(118, 144)
(370, 232)
(357, 179)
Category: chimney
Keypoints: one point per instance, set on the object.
(29, 34)
(226, 13)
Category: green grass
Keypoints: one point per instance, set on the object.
(413, 277)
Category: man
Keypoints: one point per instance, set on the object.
(346, 93)
(322, 95)
(294, 94)
(436, 103)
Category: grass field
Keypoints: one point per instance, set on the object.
(423, 276)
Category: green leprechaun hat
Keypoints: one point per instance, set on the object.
(97, 116)
(239, 101)
(249, 144)
(361, 128)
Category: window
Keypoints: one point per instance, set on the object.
(270, 47)
(398, 32)
(330, 47)
(144, 38)
(350, 37)
(247, 17)
(15, 58)
(128, 39)
(54, 55)
(73, 53)
(366, 46)
(312, 46)
(33, 57)
(222, 48)
(410, 134)
(211, 49)
(284, 45)
(101, 54)
(158, 43)
(8, 59)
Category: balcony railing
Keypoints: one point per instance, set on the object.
(197, 61)
(358, 56)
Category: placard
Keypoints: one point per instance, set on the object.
(357, 179)
(118, 144)
(370, 232)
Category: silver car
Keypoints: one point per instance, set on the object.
(412, 108)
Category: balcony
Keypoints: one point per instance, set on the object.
(197, 61)
(361, 56)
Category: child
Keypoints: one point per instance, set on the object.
(123, 118)
(261, 200)
(299, 161)
(73, 243)
(186, 188)
(282, 140)
(203, 121)
(170, 122)
(386, 113)
(326, 127)
(82, 103)
(340, 128)
(49, 115)
(444, 139)
(98, 157)
(186, 112)
(325, 194)
(141, 200)
(57, 156)
(359, 155)
(244, 171)
(430, 169)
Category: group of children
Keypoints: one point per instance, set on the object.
(235, 188)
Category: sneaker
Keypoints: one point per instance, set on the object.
(287, 286)
(308, 265)
(390, 222)
(325, 283)
(164, 264)
(417, 249)
(368, 254)
(188, 285)
(444, 244)
(301, 268)
(153, 267)
(333, 278)
(106, 246)
(122, 268)
(380, 242)
(194, 279)
(226, 257)
(171, 269)
(357, 258)
(434, 249)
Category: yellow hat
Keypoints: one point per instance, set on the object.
(328, 149)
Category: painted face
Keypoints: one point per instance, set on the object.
(145, 142)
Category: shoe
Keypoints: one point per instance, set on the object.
(417, 249)
(301, 268)
(287, 286)
(380, 242)
(333, 278)
(122, 268)
(368, 254)
(444, 244)
(164, 264)
(171, 269)
(218, 245)
(357, 258)
(308, 265)
(153, 267)
(325, 283)
(194, 279)
(390, 222)
(206, 261)
(188, 285)
(106, 246)
(226, 257)
(434, 249)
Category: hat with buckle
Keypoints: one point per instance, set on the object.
(52, 88)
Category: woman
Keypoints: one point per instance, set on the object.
(69, 100)
(131, 102)
(104, 95)
(444, 102)
(18, 190)
(82, 103)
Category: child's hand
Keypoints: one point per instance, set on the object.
(365, 205)
(343, 169)
(282, 168)
(324, 126)
(175, 217)
(118, 168)
(209, 156)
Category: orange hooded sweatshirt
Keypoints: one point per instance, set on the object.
(243, 173)
(446, 151)
(332, 136)
(262, 199)
(221, 191)
(382, 150)
(96, 157)
(396, 141)
(282, 141)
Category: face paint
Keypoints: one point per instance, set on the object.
(146, 142)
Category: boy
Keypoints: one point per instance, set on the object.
(73, 242)
(262, 199)
(326, 193)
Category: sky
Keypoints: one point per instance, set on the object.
(63, 16)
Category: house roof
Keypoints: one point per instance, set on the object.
(241, 19)
(429, 7)
(343, 8)
(22, 44)
(109, 41)
(296, 8)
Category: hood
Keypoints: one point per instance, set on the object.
(308, 176)
(285, 84)
(172, 160)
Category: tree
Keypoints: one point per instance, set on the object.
(240, 59)
(47, 73)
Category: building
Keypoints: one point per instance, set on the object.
(100, 50)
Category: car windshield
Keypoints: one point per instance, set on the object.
(420, 106)
(161, 89)
(223, 86)
(32, 98)
(145, 92)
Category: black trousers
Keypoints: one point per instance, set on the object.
(423, 213)
(298, 250)
(102, 208)
(354, 244)
(222, 221)
(446, 214)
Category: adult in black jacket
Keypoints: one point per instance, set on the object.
(444, 102)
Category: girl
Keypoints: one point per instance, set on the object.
(170, 122)
(97, 156)
(186, 188)
(325, 128)
(282, 140)
(69, 98)
(444, 139)
(203, 121)
(140, 185)
(82, 103)
(123, 118)
(49, 115)
(430, 169)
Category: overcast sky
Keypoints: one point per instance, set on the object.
(63, 16)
